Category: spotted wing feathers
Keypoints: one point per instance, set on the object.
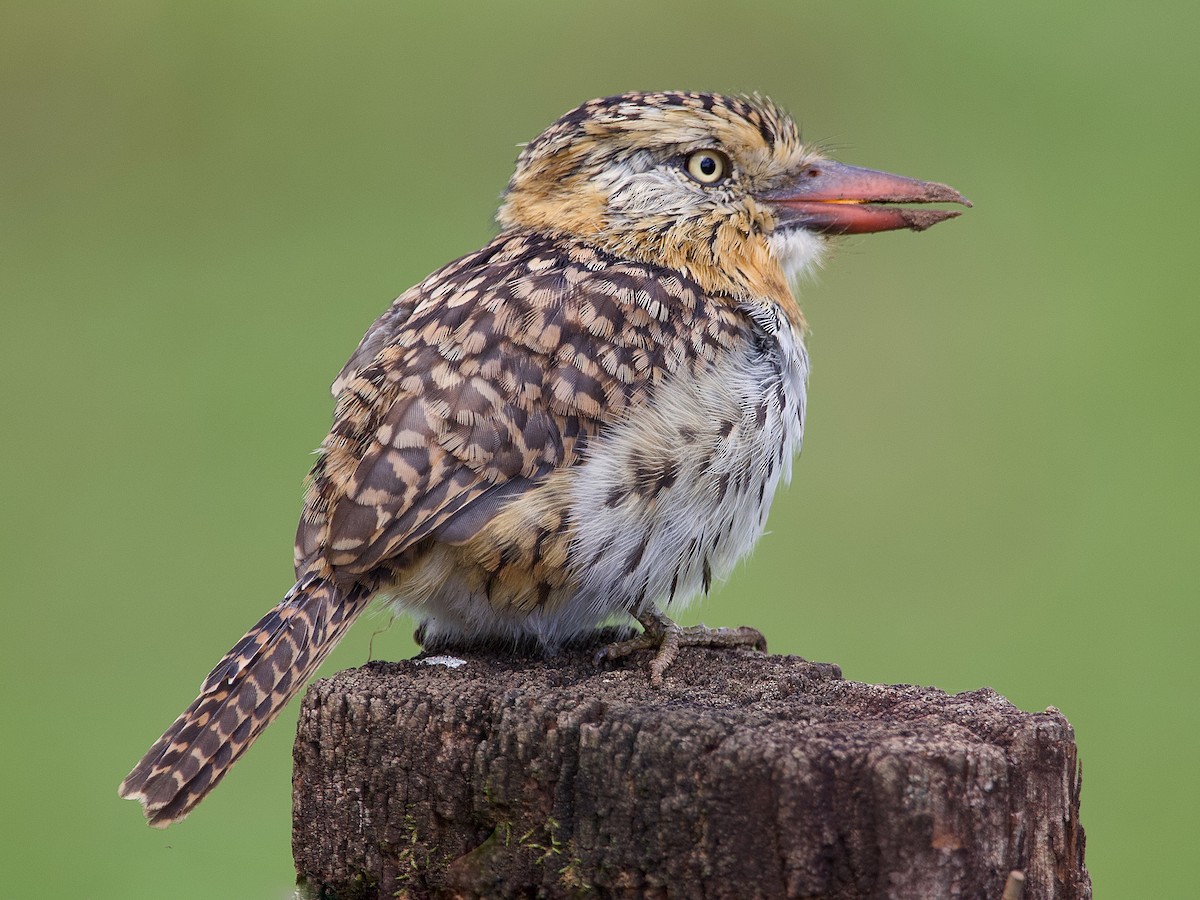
(495, 371)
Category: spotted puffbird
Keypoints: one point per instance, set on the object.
(585, 419)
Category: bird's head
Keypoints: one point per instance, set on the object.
(720, 187)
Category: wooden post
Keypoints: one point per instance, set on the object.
(744, 776)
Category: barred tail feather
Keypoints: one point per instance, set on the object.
(240, 697)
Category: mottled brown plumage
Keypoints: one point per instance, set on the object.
(586, 418)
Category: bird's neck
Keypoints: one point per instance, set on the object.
(729, 260)
(733, 264)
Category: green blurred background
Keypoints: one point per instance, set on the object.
(203, 205)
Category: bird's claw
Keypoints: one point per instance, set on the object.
(667, 638)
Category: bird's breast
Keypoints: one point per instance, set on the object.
(670, 498)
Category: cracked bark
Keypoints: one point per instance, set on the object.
(744, 776)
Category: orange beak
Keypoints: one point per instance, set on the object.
(833, 198)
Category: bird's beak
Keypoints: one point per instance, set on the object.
(833, 198)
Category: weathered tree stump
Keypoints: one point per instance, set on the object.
(744, 776)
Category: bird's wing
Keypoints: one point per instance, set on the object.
(501, 369)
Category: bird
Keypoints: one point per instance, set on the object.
(584, 421)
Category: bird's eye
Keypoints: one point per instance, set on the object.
(707, 166)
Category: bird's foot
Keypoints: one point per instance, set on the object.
(667, 638)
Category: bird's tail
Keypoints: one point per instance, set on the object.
(240, 697)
